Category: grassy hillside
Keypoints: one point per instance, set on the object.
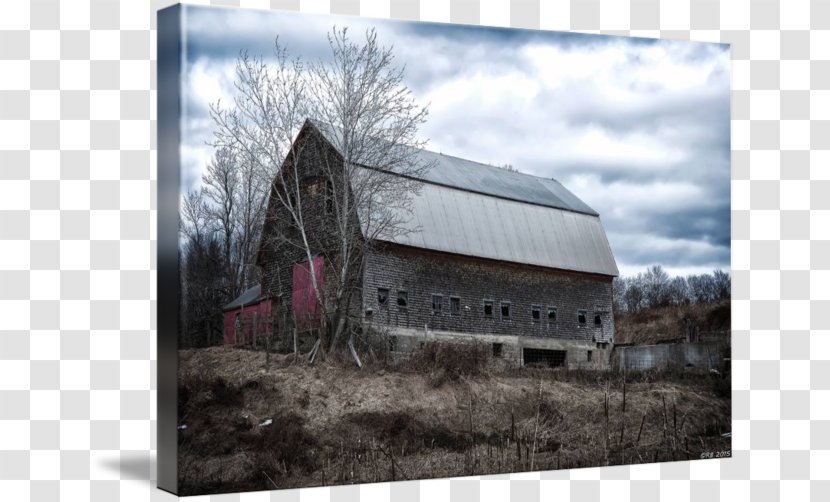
(334, 424)
(653, 325)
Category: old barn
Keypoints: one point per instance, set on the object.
(509, 259)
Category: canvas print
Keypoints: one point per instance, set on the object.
(402, 250)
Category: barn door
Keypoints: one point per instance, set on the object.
(303, 300)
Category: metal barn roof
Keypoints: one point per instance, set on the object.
(484, 178)
(475, 209)
(249, 296)
(457, 221)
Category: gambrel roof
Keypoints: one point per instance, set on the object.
(475, 209)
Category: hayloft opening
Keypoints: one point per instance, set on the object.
(311, 186)
(544, 357)
(536, 313)
(597, 320)
(402, 299)
(582, 316)
(505, 310)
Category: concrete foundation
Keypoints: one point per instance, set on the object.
(642, 357)
(578, 353)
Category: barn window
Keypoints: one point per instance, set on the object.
(597, 320)
(455, 305)
(497, 349)
(329, 197)
(582, 316)
(311, 186)
(590, 355)
(292, 204)
(505, 310)
(551, 314)
(437, 303)
(536, 313)
(383, 297)
(402, 298)
(488, 308)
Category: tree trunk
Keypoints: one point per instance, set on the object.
(354, 352)
(339, 326)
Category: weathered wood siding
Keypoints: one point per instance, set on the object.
(422, 274)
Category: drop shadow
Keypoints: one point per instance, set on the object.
(133, 466)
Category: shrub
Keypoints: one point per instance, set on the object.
(449, 360)
(225, 394)
(722, 385)
(287, 444)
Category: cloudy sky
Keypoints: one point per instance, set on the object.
(637, 128)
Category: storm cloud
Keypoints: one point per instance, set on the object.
(637, 128)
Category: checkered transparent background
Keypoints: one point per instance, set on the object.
(77, 258)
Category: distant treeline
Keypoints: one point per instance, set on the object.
(654, 288)
(221, 224)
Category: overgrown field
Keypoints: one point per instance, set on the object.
(435, 415)
(654, 324)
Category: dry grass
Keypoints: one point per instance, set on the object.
(334, 424)
(653, 325)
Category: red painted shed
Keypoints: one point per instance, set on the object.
(246, 316)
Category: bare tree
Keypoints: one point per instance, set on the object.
(722, 284)
(251, 199)
(702, 288)
(655, 281)
(374, 120)
(678, 291)
(202, 278)
(219, 186)
(359, 103)
(203, 292)
(654, 288)
(224, 216)
(634, 294)
(618, 289)
(196, 223)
